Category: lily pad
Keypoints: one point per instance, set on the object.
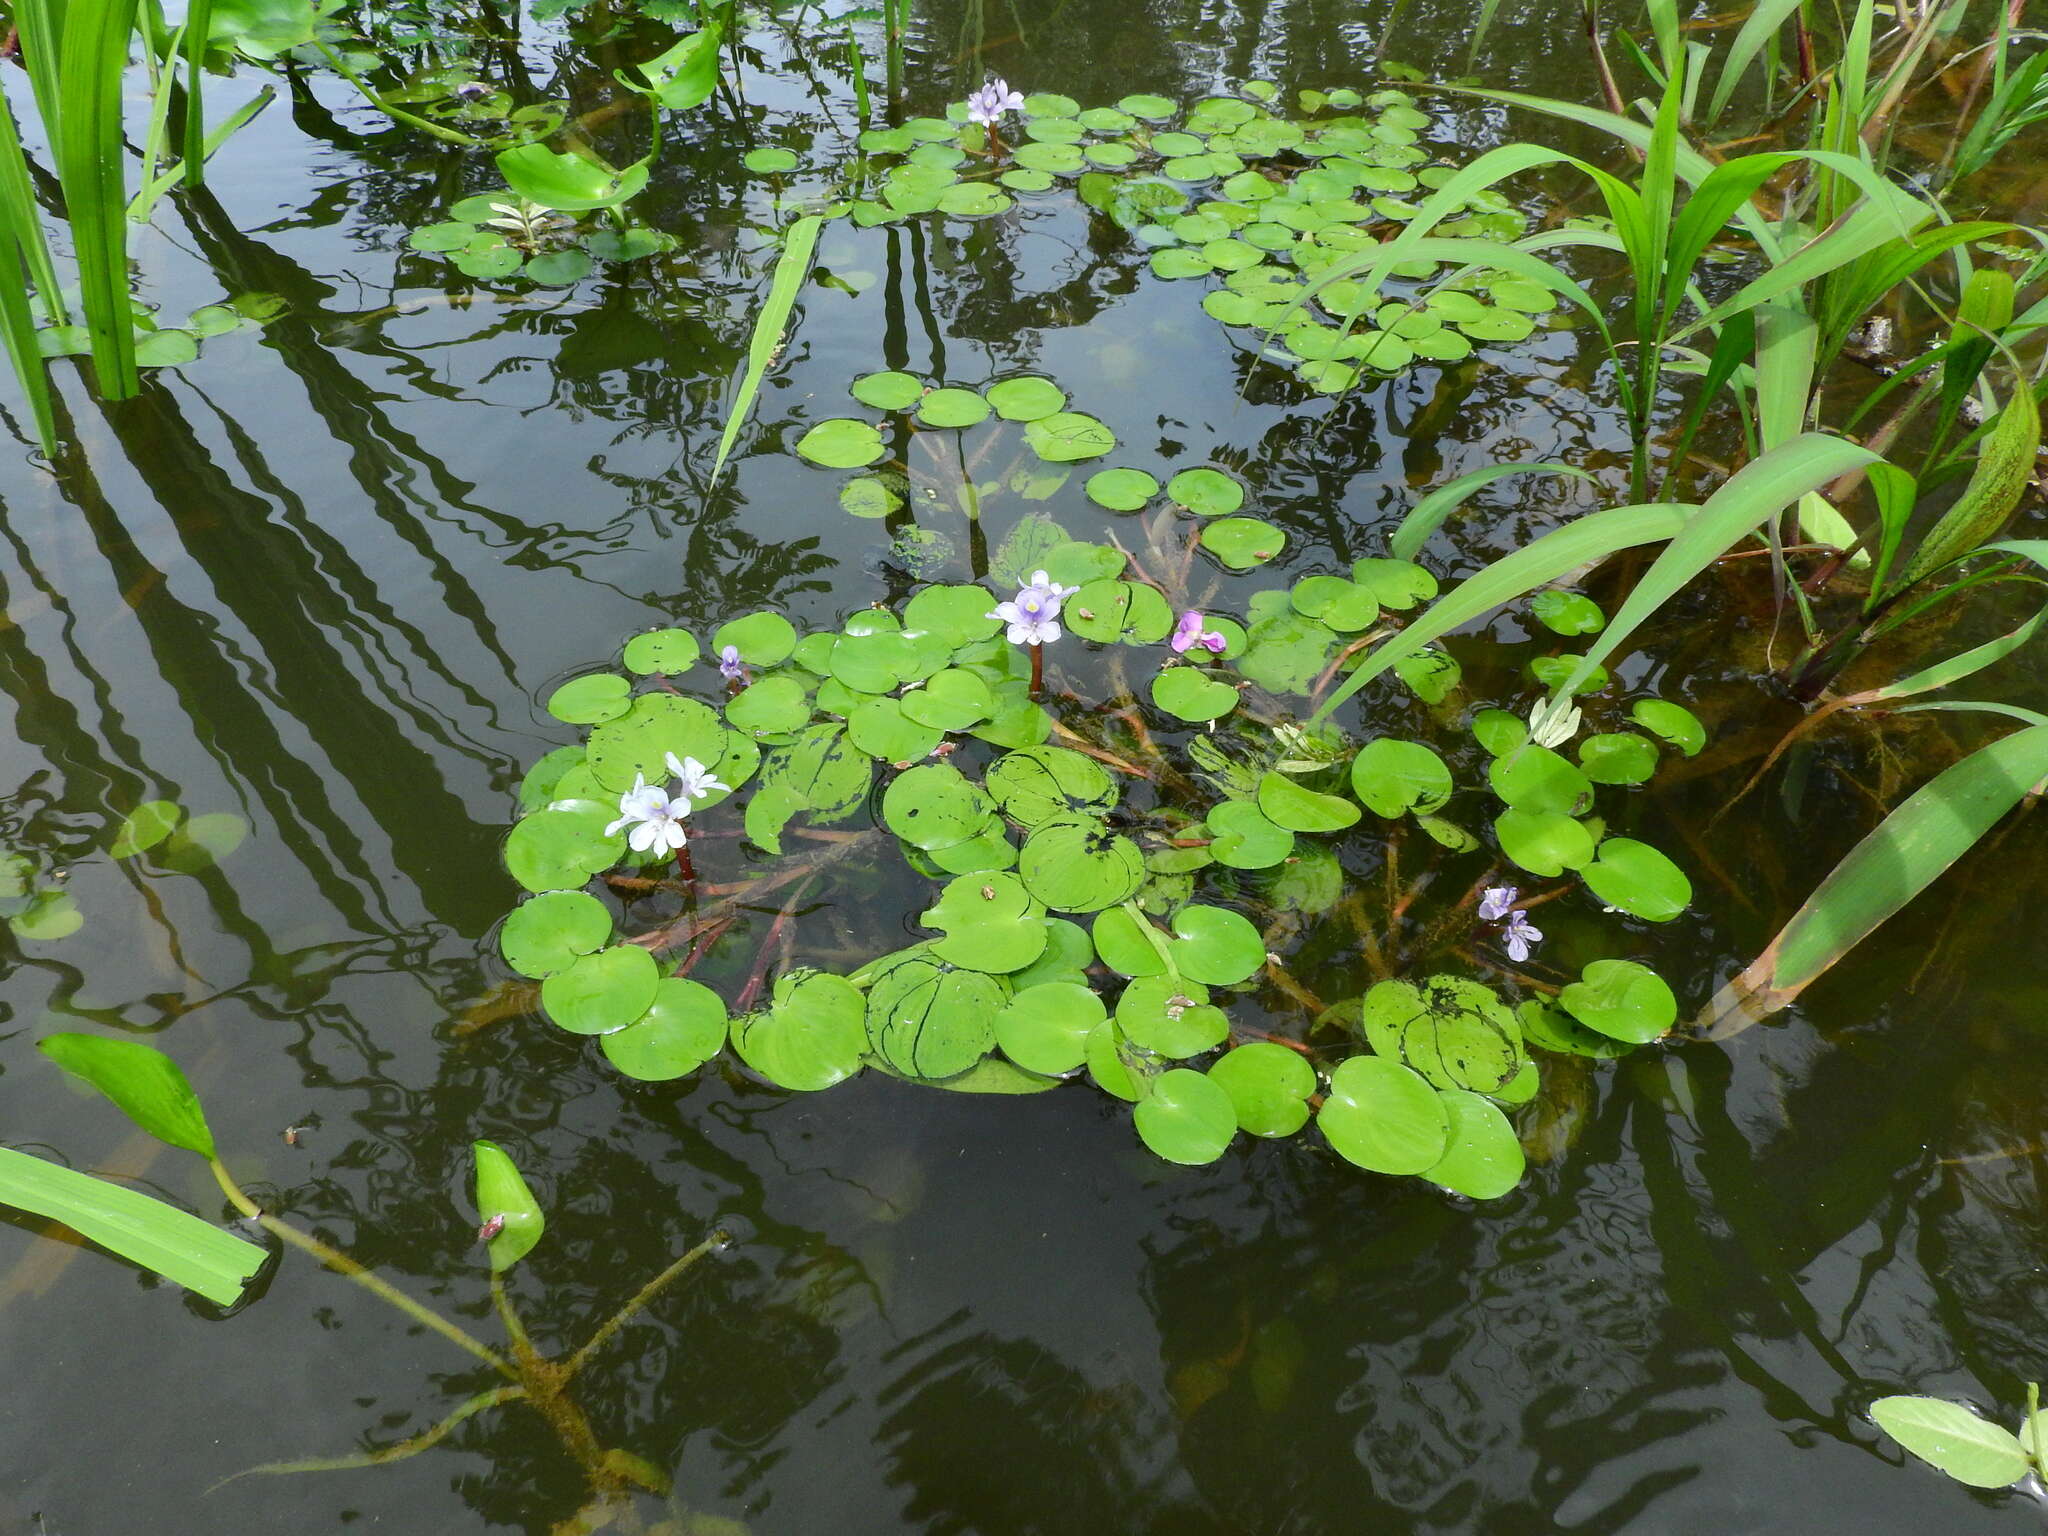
(926, 1018)
(1543, 842)
(147, 825)
(1026, 398)
(959, 615)
(1121, 490)
(1673, 723)
(661, 650)
(1622, 999)
(841, 443)
(1392, 777)
(1037, 784)
(1075, 864)
(601, 992)
(934, 806)
(683, 1028)
(557, 849)
(1106, 610)
(990, 921)
(812, 1034)
(549, 932)
(1186, 1118)
(762, 639)
(1243, 542)
(1171, 1015)
(1300, 809)
(1454, 1031)
(887, 391)
(1384, 1116)
(1482, 1161)
(952, 408)
(772, 705)
(1533, 778)
(1189, 693)
(1268, 1086)
(1066, 437)
(1205, 492)
(1244, 837)
(1045, 1028)
(1216, 946)
(1638, 879)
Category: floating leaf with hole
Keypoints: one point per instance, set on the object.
(1392, 777)
(1045, 1028)
(813, 1033)
(1384, 1116)
(1186, 1118)
(683, 1028)
(1482, 1159)
(1622, 999)
(1454, 1031)
(601, 992)
(549, 932)
(143, 1083)
(1268, 1086)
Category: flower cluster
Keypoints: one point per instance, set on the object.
(1033, 615)
(995, 98)
(1518, 935)
(655, 817)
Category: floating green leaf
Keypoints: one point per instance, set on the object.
(1026, 398)
(762, 639)
(1268, 1086)
(1483, 1160)
(1186, 1118)
(1543, 842)
(548, 932)
(812, 1035)
(1075, 864)
(1205, 492)
(1623, 1000)
(591, 699)
(1950, 1437)
(1617, 757)
(1066, 437)
(928, 1019)
(1243, 542)
(1454, 1031)
(1189, 693)
(1669, 722)
(1045, 1028)
(1638, 879)
(935, 806)
(503, 1200)
(1392, 777)
(1121, 490)
(1384, 1117)
(1244, 837)
(144, 827)
(144, 1084)
(990, 921)
(1038, 784)
(952, 408)
(660, 650)
(601, 992)
(841, 443)
(888, 391)
(1300, 809)
(1171, 1015)
(683, 1028)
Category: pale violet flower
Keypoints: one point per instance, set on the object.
(1496, 902)
(1189, 633)
(729, 664)
(1553, 722)
(1520, 936)
(1032, 616)
(696, 781)
(656, 820)
(995, 97)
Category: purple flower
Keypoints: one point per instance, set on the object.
(988, 104)
(1497, 901)
(1519, 936)
(729, 664)
(1189, 632)
(1033, 613)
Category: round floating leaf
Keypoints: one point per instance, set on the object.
(883, 729)
(982, 854)
(762, 639)
(1177, 261)
(503, 1198)
(1543, 842)
(1205, 492)
(1077, 865)
(929, 1019)
(1037, 784)
(683, 1028)
(1398, 584)
(558, 269)
(887, 391)
(773, 705)
(1243, 542)
(1186, 1118)
(639, 743)
(1617, 757)
(1026, 180)
(768, 161)
(1533, 778)
(1115, 1065)
(1066, 437)
(1121, 490)
(1670, 722)
(1499, 732)
(1125, 947)
(950, 700)
(1045, 1028)
(1567, 613)
(1189, 693)
(1384, 1117)
(548, 933)
(1950, 1437)
(1109, 610)
(1171, 1016)
(958, 615)
(1554, 1030)
(841, 443)
(1268, 1086)
(952, 408)
(1156, 109)
(592, 699)
(1483, 1160)
(990, 922)
(812, 1035)
(1343, 605)
(660, 650)
(205, 840)
(147, 825)
(1053, 159)
(1393, 777)
(1027, 398)
(1068, 954)
(1431, 673)
(1216, 946)
(1300, 809)
(935, 806)
(144, 1084)
(1638, 879)
(601, 992)
(1621, 999)
(1454, 1031)
(1245, 837)
(558, 849)
(974, 200)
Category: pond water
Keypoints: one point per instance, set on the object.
(324, 579)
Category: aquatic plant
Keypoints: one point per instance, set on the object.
(1971, 1450)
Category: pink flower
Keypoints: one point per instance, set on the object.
(1189, 633)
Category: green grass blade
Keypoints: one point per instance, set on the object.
(1592, 537)
(19, 196)
(1761, 25)
(198, 22)
(21, 244)
(1904, 855)
(91, 166)
(1428, 514)
(174, 1243)
(2004, 470)
(791, 269)
(1755, 493)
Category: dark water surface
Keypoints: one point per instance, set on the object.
(322, 577)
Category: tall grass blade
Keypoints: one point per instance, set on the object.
(2005, 467)
(1428, 514)
(1579, 543)
(1761, 25)
(21, 251)
(91, 163)
(792, 267)
(18, 194)
(198, 22)
(1904, 855)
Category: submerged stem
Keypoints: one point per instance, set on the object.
(646, 1293)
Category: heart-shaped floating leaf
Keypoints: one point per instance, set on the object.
(559, 848)
(1118, 610)
(1617, 757)
(1499, 732)
(887, 391)
(762, 639)
(1384, 1117)
(1430, 674)
(1638, 879)
(1533, 778)
(928, 1019)
(683, 1028)
(1268, 1086)
(1036, 784)
(990, 921)
(1186, 1118)
(1045, 1028)
(812, 1035)
(600, 992)
(1543, 842)
(884, 728)
(638, 744)
(145, 1085)
(1244, 837)
(1567, 613)
(147, 825)
(1205, 492)
(549, 932)
(661, 650)
(769, 707)
(1067, 437)
(1242, 542)
(1393, 777)
(1397, 584)
(958, 615)
(1189, 693)
(591, 699)
(1454, 1031)
(952, 408)
(1622, 999)
(841, 443)
(1300, 809)
(1343, 605)
(1949, 1436)
(1075, 864)
(935, 806)
(1482, 1160)
(1552, 1029)
(503, 1201)
(1026, 398)
(1121, 490)
(1171, 1016)
(1216, 946)
(1669, 722)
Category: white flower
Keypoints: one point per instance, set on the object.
(656, 820)
(1553, 722)
(697, 781)
(988, 104)
(1024, 628)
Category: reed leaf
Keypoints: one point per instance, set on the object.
(1758, 28)
(90, 165)
(1428, 514)
(791, 269)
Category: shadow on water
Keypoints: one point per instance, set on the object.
(320, 578)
